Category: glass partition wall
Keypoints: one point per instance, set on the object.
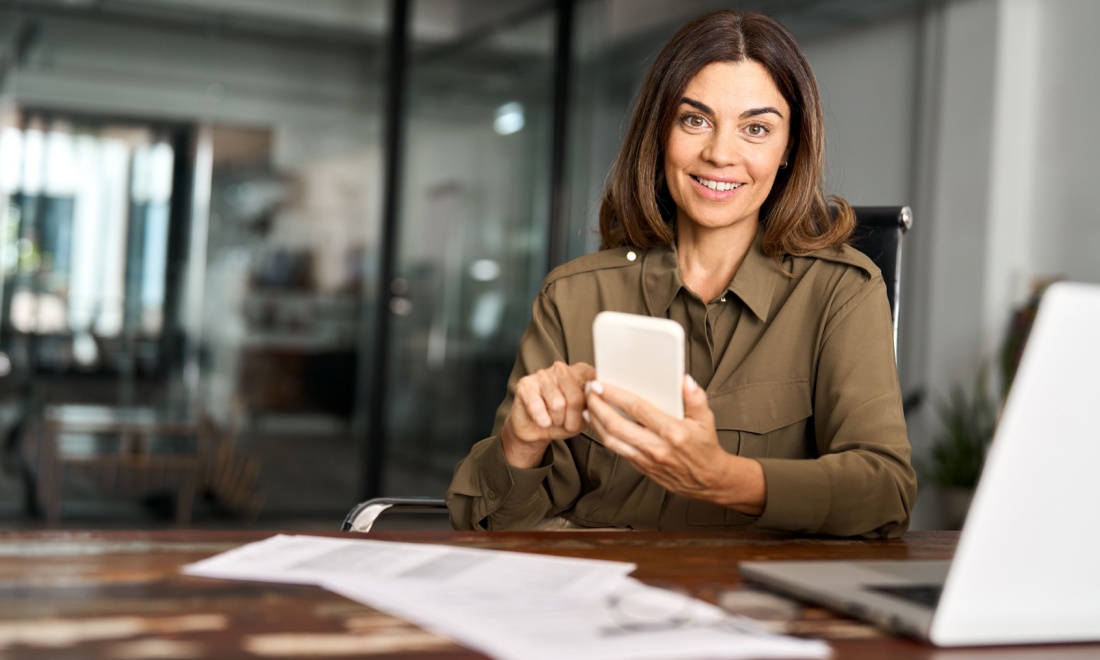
(190, 196)
(472, 231)
(192, 220)
(85, 241)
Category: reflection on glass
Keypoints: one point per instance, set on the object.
(473, 230)
(77, 227)
(509, 118)
(288, 237)
(119, 268)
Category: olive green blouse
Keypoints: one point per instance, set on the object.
(797, 359)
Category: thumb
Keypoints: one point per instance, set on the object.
(695, 400)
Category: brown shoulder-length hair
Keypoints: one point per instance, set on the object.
(797, 217)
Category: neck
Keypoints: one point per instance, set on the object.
(710, 258)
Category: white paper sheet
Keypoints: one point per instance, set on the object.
(511, 605)
(314, 559)
(513, 626)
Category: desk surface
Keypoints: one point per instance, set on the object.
(119, 595)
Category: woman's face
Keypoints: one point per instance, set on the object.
(729, 137)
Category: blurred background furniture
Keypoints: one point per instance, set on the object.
(141, 451)
(129, 450)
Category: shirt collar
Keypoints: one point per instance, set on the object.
(754, 282)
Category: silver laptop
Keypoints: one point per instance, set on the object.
(1027, 566)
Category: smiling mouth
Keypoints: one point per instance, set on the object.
(717, 185)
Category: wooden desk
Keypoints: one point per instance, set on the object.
(119, 595)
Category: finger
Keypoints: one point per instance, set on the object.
(611, 423)
(551, 384)
(573, 391)
(583, 372)
(629, 452)
(574, 388)
(555, 404)
(611, 441)
(562, 390)
(640, 410)
(695, 402)
(531, 405)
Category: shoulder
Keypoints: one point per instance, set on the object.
(605, 263)
(836, 279)
(842, 257)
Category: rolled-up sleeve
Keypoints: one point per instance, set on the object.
(487, 493)
(862, 482)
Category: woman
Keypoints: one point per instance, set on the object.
(715, 216)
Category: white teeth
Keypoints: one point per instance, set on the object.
(717, 185)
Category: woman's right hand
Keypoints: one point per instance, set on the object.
(548, 405)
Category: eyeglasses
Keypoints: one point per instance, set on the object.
(643, 608)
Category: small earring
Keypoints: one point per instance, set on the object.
(783, 166)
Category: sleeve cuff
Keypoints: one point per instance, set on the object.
(798, 495)
(500, 482)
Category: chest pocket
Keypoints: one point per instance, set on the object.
(766, 418)
(756, 421)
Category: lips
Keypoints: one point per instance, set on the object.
(719, 186)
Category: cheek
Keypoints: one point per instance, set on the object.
(673, 175)
(674, 158)
(765, 164)
(681, 150)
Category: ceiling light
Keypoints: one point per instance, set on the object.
(509, 118)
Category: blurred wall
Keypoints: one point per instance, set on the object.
(1063, 126)
(980, 115)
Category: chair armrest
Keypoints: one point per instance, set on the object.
(363, 515)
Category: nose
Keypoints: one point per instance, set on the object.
(722, 148)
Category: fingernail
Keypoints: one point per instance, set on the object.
(692, 385)
(593, 386)
(584, 414)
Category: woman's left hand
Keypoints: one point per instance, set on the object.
(681, 455)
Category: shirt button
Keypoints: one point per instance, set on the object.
(491, 494)
(722, 299)
(631, 256)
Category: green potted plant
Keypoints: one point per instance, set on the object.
(968, 422)
(959, 450)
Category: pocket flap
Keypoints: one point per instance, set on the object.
(762, 407)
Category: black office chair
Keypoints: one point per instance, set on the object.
(362, 516)
(878, 235)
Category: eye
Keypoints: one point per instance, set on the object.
(693, 121)
(757, 130)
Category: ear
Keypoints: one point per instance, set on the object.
(791, 149)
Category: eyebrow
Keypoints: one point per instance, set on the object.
(703, 107)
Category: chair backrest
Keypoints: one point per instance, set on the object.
(879, 235)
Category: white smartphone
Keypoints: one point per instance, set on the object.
(642, 354)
